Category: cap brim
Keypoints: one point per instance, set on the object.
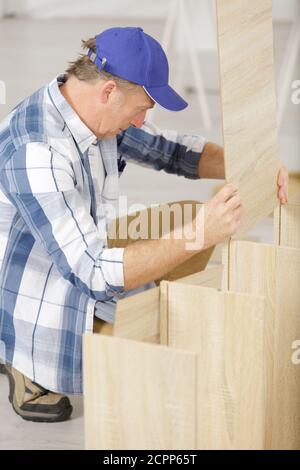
(166, 97)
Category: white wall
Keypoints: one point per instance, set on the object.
(202, 13)
(13, 6)
(283, 9)
(89, 8)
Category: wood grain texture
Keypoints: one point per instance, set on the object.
(251, 268)
(277, 228)
(210, 277)
(286, 396)
(295, 199)
(294, 188)
(274, 271)
(248, 98)
(136, 395)
(193, 265)
(102, 327)
(287, 226)
(137, 317)
(226, 331)
(163, 313)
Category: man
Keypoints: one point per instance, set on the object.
(61, 153)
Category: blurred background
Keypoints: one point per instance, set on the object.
(38, 37)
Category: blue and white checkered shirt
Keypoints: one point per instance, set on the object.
(55, 267)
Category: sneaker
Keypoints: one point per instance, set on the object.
(33, 402)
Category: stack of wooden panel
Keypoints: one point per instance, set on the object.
(206, 362)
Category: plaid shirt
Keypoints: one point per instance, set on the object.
(55, 267)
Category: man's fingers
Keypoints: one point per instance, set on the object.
(281, 177)
(282, 192)
(226, 192)
(234, 202)
(283, 182)
(282, 196)
(239, 213)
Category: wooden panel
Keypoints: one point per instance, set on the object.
(248, 99)
(211, 277)
(226, 331)
(274, 272)
(286, 397)
(102, 327)
(295, 199)
(251, 270)
(287, 226)
(136, 395)
(277, 228)
(137, 317)
(193, 265)
(294, 188)
(287, 233)
(164, 312)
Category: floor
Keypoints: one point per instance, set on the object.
(31, 54)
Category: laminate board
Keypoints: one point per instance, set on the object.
(248, 101)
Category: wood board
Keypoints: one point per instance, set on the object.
(226, 330)
(135, 396)
(137, 317)
(274, 272)
(248, 101)
(287, 226)
(210, 277)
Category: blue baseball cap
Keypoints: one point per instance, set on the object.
(133, 55)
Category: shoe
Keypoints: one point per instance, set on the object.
(33, 402)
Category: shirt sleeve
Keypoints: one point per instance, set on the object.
(162, 149)
(41, 184)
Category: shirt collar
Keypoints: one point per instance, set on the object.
(83, 136)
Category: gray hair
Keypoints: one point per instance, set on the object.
(84, 69)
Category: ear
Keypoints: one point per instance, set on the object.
(106, 89)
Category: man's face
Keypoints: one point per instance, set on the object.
(124, 108)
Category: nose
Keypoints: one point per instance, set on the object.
(139, 119)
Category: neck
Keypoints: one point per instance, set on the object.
(78, 96)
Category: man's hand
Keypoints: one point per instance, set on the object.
(211, 165)
(283, 183)
(223, 216)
